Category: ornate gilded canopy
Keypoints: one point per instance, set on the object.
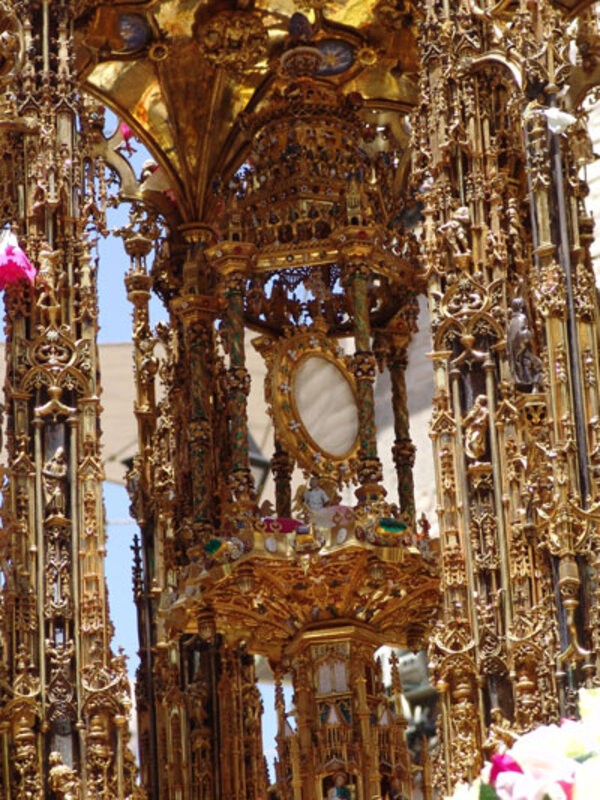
(182, 74)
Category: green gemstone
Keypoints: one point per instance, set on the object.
(392, 525)
(212, 546)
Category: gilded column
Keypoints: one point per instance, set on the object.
(196, 310)
(486, 367)
(232, 261)
(403, 451)
(282, 467)
(356, 248)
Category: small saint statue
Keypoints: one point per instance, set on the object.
(395, 792)
(455, 231)
(525, 366)
(54, 476)
(476, 425)
(50, 281)
(516, 234)
(339, 788)
(500, 737)
(62, 779)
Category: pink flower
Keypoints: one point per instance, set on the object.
(536, 767)
(14, 264)
(541, 753)
(502, 762)
(126, 135)
(567, 788)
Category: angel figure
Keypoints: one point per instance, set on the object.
(318, 503)
(315, 498)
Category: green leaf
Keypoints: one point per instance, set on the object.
(581, 759)
(487, 792)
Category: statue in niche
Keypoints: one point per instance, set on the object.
(339, 788)
(50, 281)
(455, 231)
(476, 425)
(395, 792)
(54, 477)
(516, 234)
(62, 779)
(500, 737)
(525, 366)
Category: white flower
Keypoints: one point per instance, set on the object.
(588, 779)
(542, 753)
(546, 757)
(589, 705)
(523, 786)
(465, 791)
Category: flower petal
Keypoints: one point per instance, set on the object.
(503, 762)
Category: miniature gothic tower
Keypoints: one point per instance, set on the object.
(64, 695)
(514, 325)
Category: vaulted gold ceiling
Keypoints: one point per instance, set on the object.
(181, 72)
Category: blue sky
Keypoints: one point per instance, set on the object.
(115, 326)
